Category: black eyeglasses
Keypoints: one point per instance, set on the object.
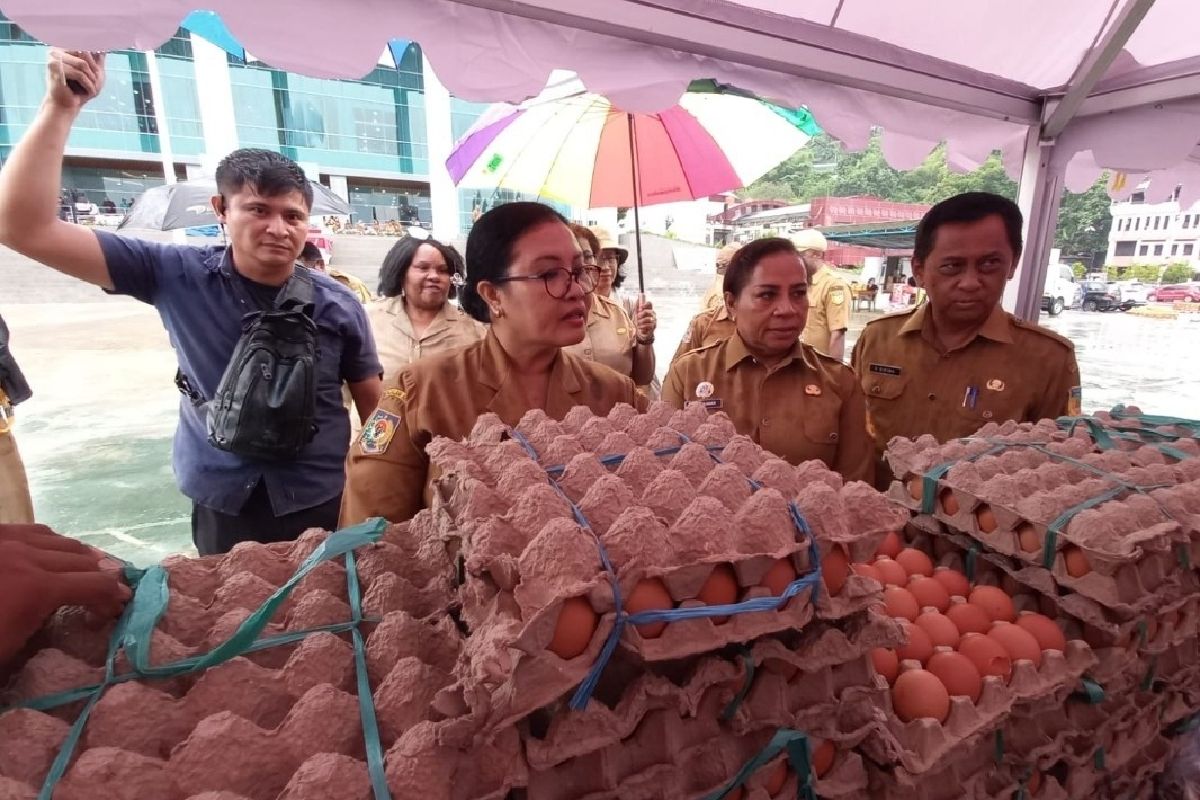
(558, 280)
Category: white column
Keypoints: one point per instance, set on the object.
(443, 194)
(340, 186)
(162, 123)
(215, 93)
(1039, 196)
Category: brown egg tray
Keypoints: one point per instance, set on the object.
(447, 760)
(921, 743)
(1145, 551)
(962, 777)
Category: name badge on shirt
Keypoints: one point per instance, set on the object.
(711, 403)
(884, 369)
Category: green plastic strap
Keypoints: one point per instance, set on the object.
(1185, 725)
(1051, 542)
(999, 746)
(972, 559)
(800, 756)
(366, 702)
(779, 742)
(1185, 556)
(1092, 690)
(929, 485)
(1143, 632)
(1148, 681)
(1098, 758)
(740, 697)
(150, 601)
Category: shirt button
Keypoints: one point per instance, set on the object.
(987, 415)
(766, 422)
(875, 389)
(932, 396)
(833, 437)
(587, 351)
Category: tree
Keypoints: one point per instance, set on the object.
(1177, 273)
(1084, 221)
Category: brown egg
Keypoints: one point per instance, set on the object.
(892, 543)
(995, 603)
(917, 644)
(1049, 636)
(919, 694)
(823, 753)
(886, 662)
(777, 776)
(649, 595)
(1076, 562)
(949, 502)
(916, 488)
(1019, 642)
(1034, 783)
(955, 582)
(721, 589)
(892, 573)
(958, 673)
(989, 656)
(779, 576)
(985, 518)
(1027, 537)
(942, 632)
(915, 562)
(968, 618)
(899, 602)
(736, 793)
(835, 567)
(867, 571)
(573, 632)
(929, 592)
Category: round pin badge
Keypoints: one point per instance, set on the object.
(704, 390)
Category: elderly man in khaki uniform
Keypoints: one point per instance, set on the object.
(959, 361)
(829, 297)
(712, 324)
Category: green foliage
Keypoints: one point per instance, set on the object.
(822, 168)
(1177, 273)
(1078, 269)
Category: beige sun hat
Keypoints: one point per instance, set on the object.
(724, 256)
(609, 242)
(810, 239)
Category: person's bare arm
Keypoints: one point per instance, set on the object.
(837, 344)
(366, 396)
(32, 177)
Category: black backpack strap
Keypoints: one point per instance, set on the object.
(298, 293)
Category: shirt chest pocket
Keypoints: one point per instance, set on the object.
(883, 387)
(820, 427)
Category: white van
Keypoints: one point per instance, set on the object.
(1061, 290)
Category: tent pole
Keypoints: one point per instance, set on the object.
(1039, 196)
(637, 221)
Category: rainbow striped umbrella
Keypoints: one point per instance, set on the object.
(577, 148)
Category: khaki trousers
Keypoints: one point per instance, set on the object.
(15, 503)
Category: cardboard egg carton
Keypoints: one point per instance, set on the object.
(1138, 545)
(921, 743)
(281, 723)
(965, 776)
(448, 760)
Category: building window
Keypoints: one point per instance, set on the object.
(1174, 249)
(1144, 250)
(1187, 248)
(1137, 197)
(1125, 249)
(1158, 249)
(1187, 220)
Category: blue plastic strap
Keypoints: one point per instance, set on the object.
(366, 702)
(781, 741)
(971, 560)
(1050, 545)
(998, 746)
(1092, 690)
(1098, 758)
(747, 682)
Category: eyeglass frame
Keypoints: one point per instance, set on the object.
(545, 275)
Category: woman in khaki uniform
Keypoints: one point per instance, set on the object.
(526, 278)
(415, 318)
(792, 400)
(611, 337)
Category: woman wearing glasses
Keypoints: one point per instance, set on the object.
(526, 277)
(610, 337)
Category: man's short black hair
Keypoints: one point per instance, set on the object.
(267, 172)
(968, 207)
(311, 253)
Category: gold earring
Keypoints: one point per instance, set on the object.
(497, 312)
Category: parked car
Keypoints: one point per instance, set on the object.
(1176, 292)
(1061, 290)
(1133, 290)
(1098, 295)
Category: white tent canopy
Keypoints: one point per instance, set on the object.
(1064, 89)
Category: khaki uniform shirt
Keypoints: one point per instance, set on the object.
(1011, 370)
(387, 471)
(807, 407)
(399, 346)
(829, 301)
(707, 327)
(610, 339)
(353, 284)
(715, 296)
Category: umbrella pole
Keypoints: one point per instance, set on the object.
(637, 222)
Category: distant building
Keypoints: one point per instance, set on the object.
(1153, 233)
(754, 219)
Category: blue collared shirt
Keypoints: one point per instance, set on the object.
(201, 305)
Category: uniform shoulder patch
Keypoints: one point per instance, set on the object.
(837, 295)
(903, 314)
(377, 432)
(399, 395)
(1040, 331)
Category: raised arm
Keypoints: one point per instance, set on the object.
(32, 177)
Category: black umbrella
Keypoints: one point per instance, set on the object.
(189, 203)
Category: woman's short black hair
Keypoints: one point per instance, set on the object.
(619, 276)
(400, 258)
(742, 265)
(490, 247)
(968, 207)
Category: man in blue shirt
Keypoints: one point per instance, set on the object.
(202, 295)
